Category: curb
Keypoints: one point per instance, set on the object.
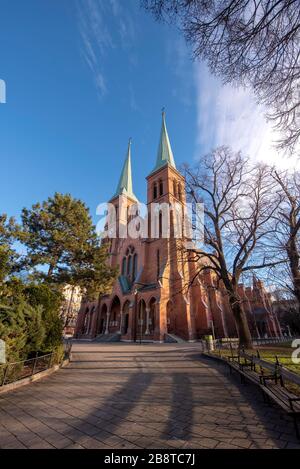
(31, 379)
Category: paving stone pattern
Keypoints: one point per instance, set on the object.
(141, 396)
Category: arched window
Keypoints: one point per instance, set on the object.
(124, 266)
(172, 229)
(160, 225)
(129, 266)
(157, 264)
(134, 268)
(179, 191)
(161, 187)
(174, 188)
(155, 191)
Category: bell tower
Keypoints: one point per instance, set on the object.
(121, 200)
(165, 183)
(166, 267)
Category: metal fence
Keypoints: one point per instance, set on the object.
(274, 340)
(234, 343)
(14, 371)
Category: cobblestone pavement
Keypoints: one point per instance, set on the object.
(141, 396)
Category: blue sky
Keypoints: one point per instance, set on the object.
(83, 76)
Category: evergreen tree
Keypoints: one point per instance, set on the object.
(22, 329)
(59, 234)
(49, 298)
(8, 256)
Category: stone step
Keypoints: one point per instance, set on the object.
(115, 337)
(172, 338)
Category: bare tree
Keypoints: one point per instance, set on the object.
(248, 42)
(239, 202)
(287, 239)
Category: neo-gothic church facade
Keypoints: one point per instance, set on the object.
(155, 297)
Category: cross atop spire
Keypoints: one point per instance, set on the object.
(164, 154)
(125, 181)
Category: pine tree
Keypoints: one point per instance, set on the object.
(8, 256)
(59, 235)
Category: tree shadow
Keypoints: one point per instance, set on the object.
(273, 420)
(181, 404)
(182, 401)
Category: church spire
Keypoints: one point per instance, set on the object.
(164, 154)
(125, 181)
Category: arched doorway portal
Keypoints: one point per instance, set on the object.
(114, 317)
(102, 320)
(125, 320)
(170, 317)
(91, 320)
(85, 321)
(151, 319)
(141, 320)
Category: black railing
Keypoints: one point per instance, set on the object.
(14, 371)
(274, 340)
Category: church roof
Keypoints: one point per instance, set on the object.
(125, 182)
(164, 154)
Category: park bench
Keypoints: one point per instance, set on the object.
(271, 382)
(274, 389)
(245, 366)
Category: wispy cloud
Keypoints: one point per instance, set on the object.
(230, 116)
(179, 61)
(132, 99)
(104, 26)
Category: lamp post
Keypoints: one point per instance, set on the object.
(141, 330)
(135, 312)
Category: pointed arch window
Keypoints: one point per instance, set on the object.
(157, 264)
(160, 225)
(134, 267)
(161, 187)
(129, 264)
(179, 191)
(174, 188)
(155, 190)
(124, 262)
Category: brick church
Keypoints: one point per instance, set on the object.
(154, 297)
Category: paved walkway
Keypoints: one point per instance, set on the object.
(141, 396)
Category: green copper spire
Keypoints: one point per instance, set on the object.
(164, 154)
(125, 182)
